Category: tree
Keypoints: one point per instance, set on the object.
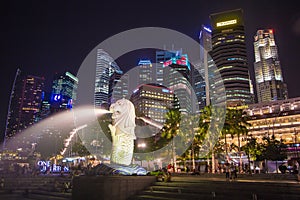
(273, 150)
(80, 149)
(171, 127)
(208, 116)
(253, 150)
(238, 124)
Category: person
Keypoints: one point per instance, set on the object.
(187, 169)
(2, 183)
(227, 170)
(233, 171)
(166, 176)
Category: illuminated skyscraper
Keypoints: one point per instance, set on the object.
(64, 91)
(177, 77)
(230, 56)
(152, 101)
(161, 57)
(105, 69)
(145, 72)
(205, 80)
(268, 75)
(119, 86)
(25, 103)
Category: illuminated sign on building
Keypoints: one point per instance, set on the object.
(179, 60)
(46, 165)
(225, 23)
(56, 97)
(207, 29)
(165, 90)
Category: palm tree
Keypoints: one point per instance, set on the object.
(208, 113)
(238, 121)
(253, 150)
(228, 129)
(171, 127)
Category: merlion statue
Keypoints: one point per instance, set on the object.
(122, 131)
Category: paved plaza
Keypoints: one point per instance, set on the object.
(182, 186)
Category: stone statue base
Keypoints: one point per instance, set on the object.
(117, 169)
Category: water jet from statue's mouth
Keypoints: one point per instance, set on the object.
(99, 111)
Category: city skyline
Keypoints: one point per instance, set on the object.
(44, 39)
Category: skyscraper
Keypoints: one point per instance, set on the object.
(205, 65)
(268, 75)
(145, 72)
(162, 56)
(119, 86)
(64, 92)
(152, 101)
(230, 56)
(105, 68)
(25, 103)
(177, 77)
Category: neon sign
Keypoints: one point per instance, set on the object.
(226, 23)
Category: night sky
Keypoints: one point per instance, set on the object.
(47, 37)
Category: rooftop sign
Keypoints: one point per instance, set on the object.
(225, 23)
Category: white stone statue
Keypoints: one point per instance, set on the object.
(122, 131)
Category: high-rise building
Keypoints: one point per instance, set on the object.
(152, 101)
(119, 86)
(25, 103)
(64, 91)
(268, 75)
(230, 56)
(205, 81)
(105, 69)
(145, 72)
(177, 77)
(162, 56)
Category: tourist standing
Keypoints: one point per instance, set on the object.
(227, 171)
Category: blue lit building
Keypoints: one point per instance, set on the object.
(204, 75)
(64, 91)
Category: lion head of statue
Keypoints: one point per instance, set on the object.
(123, 115)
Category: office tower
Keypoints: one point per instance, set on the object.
(268, 75)
(230, 56)
(152, 101)
(64, 91)
(177, 77)
(162, 56)
(145, 74)
(105, 68)
(25, 103)
(204, 68)
(119, 86)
